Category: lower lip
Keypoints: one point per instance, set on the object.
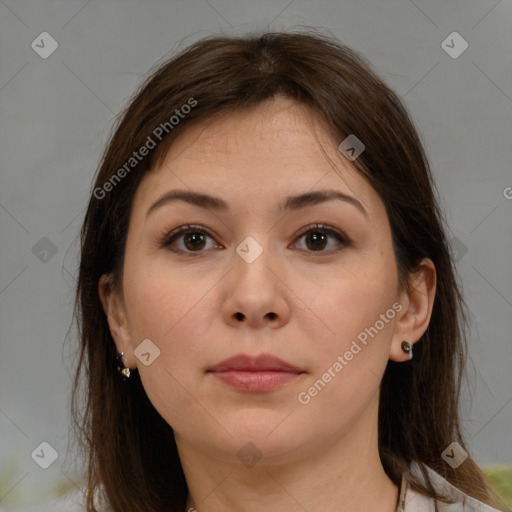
(255, 381)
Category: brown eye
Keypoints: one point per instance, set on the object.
(317, 240)
(196, 240)
(317, 237)
(193, 237)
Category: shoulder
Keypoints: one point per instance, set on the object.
(413, 501)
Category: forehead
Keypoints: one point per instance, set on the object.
(278, 125)
(277, 148)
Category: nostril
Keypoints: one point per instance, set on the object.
(271, 316)
(239, 316)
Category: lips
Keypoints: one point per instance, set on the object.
(259, 374)
(260, 363)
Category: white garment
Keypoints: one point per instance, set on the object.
(412, 501)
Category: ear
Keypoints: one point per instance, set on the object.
(417, 304)
(116, 318)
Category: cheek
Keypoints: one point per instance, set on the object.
(156, 298)
(350, 299)
(352, 352)
(170, 308)
(167, 309)
(349, 363)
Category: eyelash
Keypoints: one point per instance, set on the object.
(170, 238)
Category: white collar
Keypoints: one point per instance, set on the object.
(412, 501)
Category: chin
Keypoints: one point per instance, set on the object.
(274, 442)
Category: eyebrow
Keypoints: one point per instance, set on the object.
(291, 203)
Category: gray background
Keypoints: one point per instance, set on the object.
(56, 117)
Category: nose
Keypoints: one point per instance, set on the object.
(256, 294)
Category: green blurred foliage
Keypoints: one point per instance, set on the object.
(500, 477)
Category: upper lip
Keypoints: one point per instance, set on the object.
(263, 362)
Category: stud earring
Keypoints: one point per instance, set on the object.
(407, 347)
(124, 370)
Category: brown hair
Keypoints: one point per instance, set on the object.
(132, 455)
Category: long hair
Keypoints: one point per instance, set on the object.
(132, 459)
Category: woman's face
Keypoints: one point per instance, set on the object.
(263, 280)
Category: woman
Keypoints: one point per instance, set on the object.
(268, 309)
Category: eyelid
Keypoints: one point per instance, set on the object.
(168, 237)
(324, 227)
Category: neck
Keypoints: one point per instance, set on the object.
(346, 475)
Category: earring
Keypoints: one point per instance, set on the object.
(124, 370)
(407, 347)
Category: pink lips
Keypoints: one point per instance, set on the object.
(255, 374)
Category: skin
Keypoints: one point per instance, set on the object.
(318, 456)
